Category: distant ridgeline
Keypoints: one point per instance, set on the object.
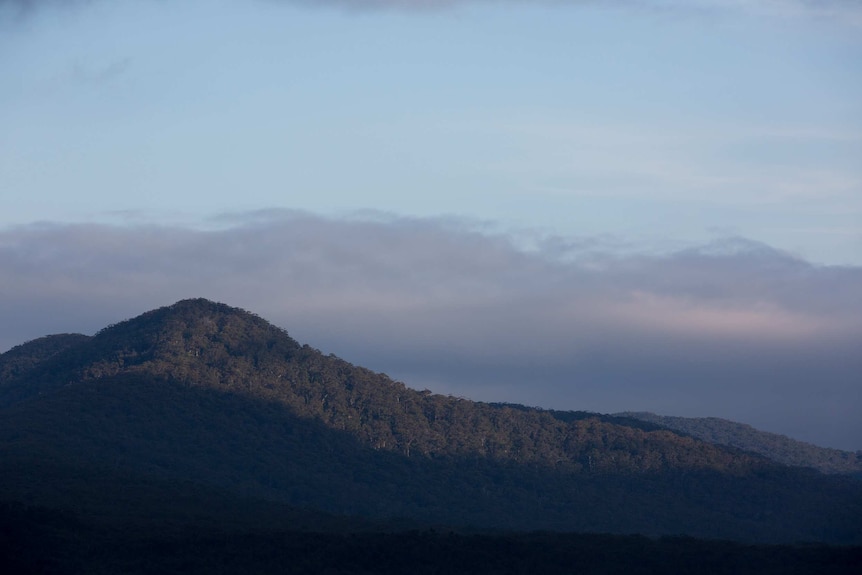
(778, 448)
(150, 417)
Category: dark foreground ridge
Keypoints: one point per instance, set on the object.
(199, 414)
(50, 542)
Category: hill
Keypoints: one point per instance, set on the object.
(778, 448)
(23, 358)
(203, 396)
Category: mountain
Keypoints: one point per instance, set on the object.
(23, 358)
(151, 417)
(778, 448)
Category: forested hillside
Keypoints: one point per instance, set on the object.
(204, 345)
(200, 396)
(773, 446)
(21, 359)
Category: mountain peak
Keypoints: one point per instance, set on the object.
(190, 318)
(202, 304)
(194, 341)
(184, 310)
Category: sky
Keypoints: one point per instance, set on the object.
(608, 206)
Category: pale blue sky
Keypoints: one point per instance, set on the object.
(666, 126)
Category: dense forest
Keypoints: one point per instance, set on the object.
(202, 416)
(779, 448)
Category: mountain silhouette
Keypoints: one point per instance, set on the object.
(160, 415)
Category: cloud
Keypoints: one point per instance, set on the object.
(733, 329)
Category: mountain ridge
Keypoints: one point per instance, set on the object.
(206, 393)
(732, 434)
(779, 448)
(194, 341)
